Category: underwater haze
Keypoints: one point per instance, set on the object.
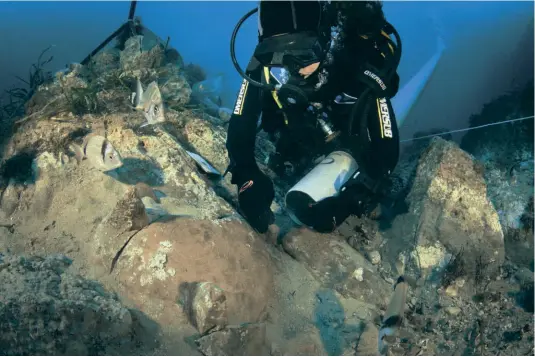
(122, 234)
(488, 45)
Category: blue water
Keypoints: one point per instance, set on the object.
(485, 54)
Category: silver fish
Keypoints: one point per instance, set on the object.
(205, 166)
(98, 151)
(136, 96)
(393, 316)
(149, 102)
(110, 157)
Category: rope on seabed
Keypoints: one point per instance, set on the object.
(467, 129)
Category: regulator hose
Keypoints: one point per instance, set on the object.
(233, 53)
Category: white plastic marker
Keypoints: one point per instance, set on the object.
(467, 129)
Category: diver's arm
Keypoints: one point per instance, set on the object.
(380, 153)
(242, 128)
(374, 129)
(255, 189)
(374, 137)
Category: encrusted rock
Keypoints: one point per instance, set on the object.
(245, 340)
(205, 304)
(209, 142)
(47, 135)
(10, 198)
(224, 114)
(173, 57)
(113, 232)
(337, 266)
(173, 85)
(449, 196)
(194, 73)
(133, 58)
(375, 257)
(45, 310)
(168, 254)
(105, 61)
(129, 213)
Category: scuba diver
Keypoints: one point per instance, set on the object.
(313, 92)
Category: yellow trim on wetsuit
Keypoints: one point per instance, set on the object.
(389, 44)
(380, 118)
(267, 75)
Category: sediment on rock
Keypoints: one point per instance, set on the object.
(449, 197)
(45, 310)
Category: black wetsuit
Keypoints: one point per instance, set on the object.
(377, 158)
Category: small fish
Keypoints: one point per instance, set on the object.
(205, 166)
(136, 96)
(149, 102)
(98, 151)
(393, 316)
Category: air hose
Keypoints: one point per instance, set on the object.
(269, 87)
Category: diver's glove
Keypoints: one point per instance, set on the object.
(330, 212)
(363, 193)
(358, 196)
(255, 194)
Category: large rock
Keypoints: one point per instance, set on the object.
(338, 266)
(162, 161)
(10, 198)
(449, 195)
(106, 60)
(46, 135)
(165, 255)
(45, 310)
(173, 85)
(132, 57)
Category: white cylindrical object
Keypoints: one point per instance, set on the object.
(325, 180)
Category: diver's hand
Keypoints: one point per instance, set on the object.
(330, 212)
(255, 194)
